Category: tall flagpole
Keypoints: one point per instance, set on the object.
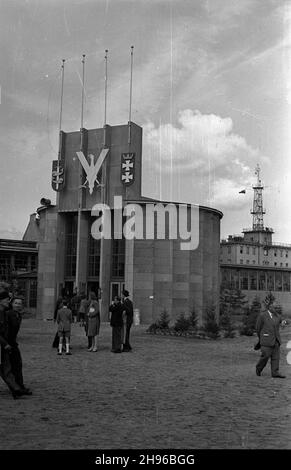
(62, 94)
(130, 96)
(83, 80)
(80, 190)
(103, 183)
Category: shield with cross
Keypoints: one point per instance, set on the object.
(58, 175)
(127, 168)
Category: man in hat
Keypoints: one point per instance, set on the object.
(11, 363)
(267, 327)
(128, 306)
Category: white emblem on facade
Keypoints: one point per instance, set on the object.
(92, 169)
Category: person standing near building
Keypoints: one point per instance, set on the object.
(75, 304)
(128, 306)
(116, 312)
(93, 328)
(64, 321)
(11, 362)
(268, 324)
(82, 310)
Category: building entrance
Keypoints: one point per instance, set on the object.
(116, 288)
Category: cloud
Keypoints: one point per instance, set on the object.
(205, 153)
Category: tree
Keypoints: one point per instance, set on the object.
(211, 327)
(182, 323)
(193, 319)
(250, 318)
(164, 320)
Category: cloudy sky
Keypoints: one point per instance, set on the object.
(211, 88)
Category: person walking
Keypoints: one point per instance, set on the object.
(64, 321)
(75, 304)
(116, 313)
(128, 306)
(268, 324)
(11, 362)
(93, 315)
(82, 310)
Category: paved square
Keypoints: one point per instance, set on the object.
(168, 393)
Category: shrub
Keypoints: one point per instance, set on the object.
(193, 319)
(211, 327)
(153, 328)
(182, 323)
(227, 325)
(164, 320)
(250, 318)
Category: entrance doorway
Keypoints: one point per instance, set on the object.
(116, 288)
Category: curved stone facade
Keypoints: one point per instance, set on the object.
(162, 276)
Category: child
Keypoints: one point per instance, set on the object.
(64, 320)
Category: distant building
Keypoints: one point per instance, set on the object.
(18, 267)
(255, 264)
(156, 272)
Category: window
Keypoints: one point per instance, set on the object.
(278, 281)
(275, 264)
(93, 257)
(225, 278)
(254, 261)
(32, 293)
(281, 264)
(254, 250)
(244, 280)
(21, 262)
(229, 249)
(33, 262)
(286, 254)
(5, 267)
(248, 261)
(241, 261)
(286, 265)
(234, 279)
(281, 253)
(118, 258)
(253, 280)
(286, 282)
(275, 253)
(270, 280)
(241, 249)
(262, 281)
(248, 250)
(71, 246)
(265, 252)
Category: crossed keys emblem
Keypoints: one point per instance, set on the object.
(92, 169)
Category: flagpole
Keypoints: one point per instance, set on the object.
(130, 96)
(103, 182)
(62, 94)
(83, 80)
(80, 191)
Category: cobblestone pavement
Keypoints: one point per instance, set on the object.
(168, 393)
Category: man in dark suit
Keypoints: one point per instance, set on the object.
(128, 305)
(11, 362)
(267, 327)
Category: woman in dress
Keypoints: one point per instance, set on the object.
(93, 318)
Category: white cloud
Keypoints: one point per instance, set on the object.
(203, 160)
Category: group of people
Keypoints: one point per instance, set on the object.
(11, 309)
(87, 313)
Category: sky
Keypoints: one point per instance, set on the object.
(211, 89)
